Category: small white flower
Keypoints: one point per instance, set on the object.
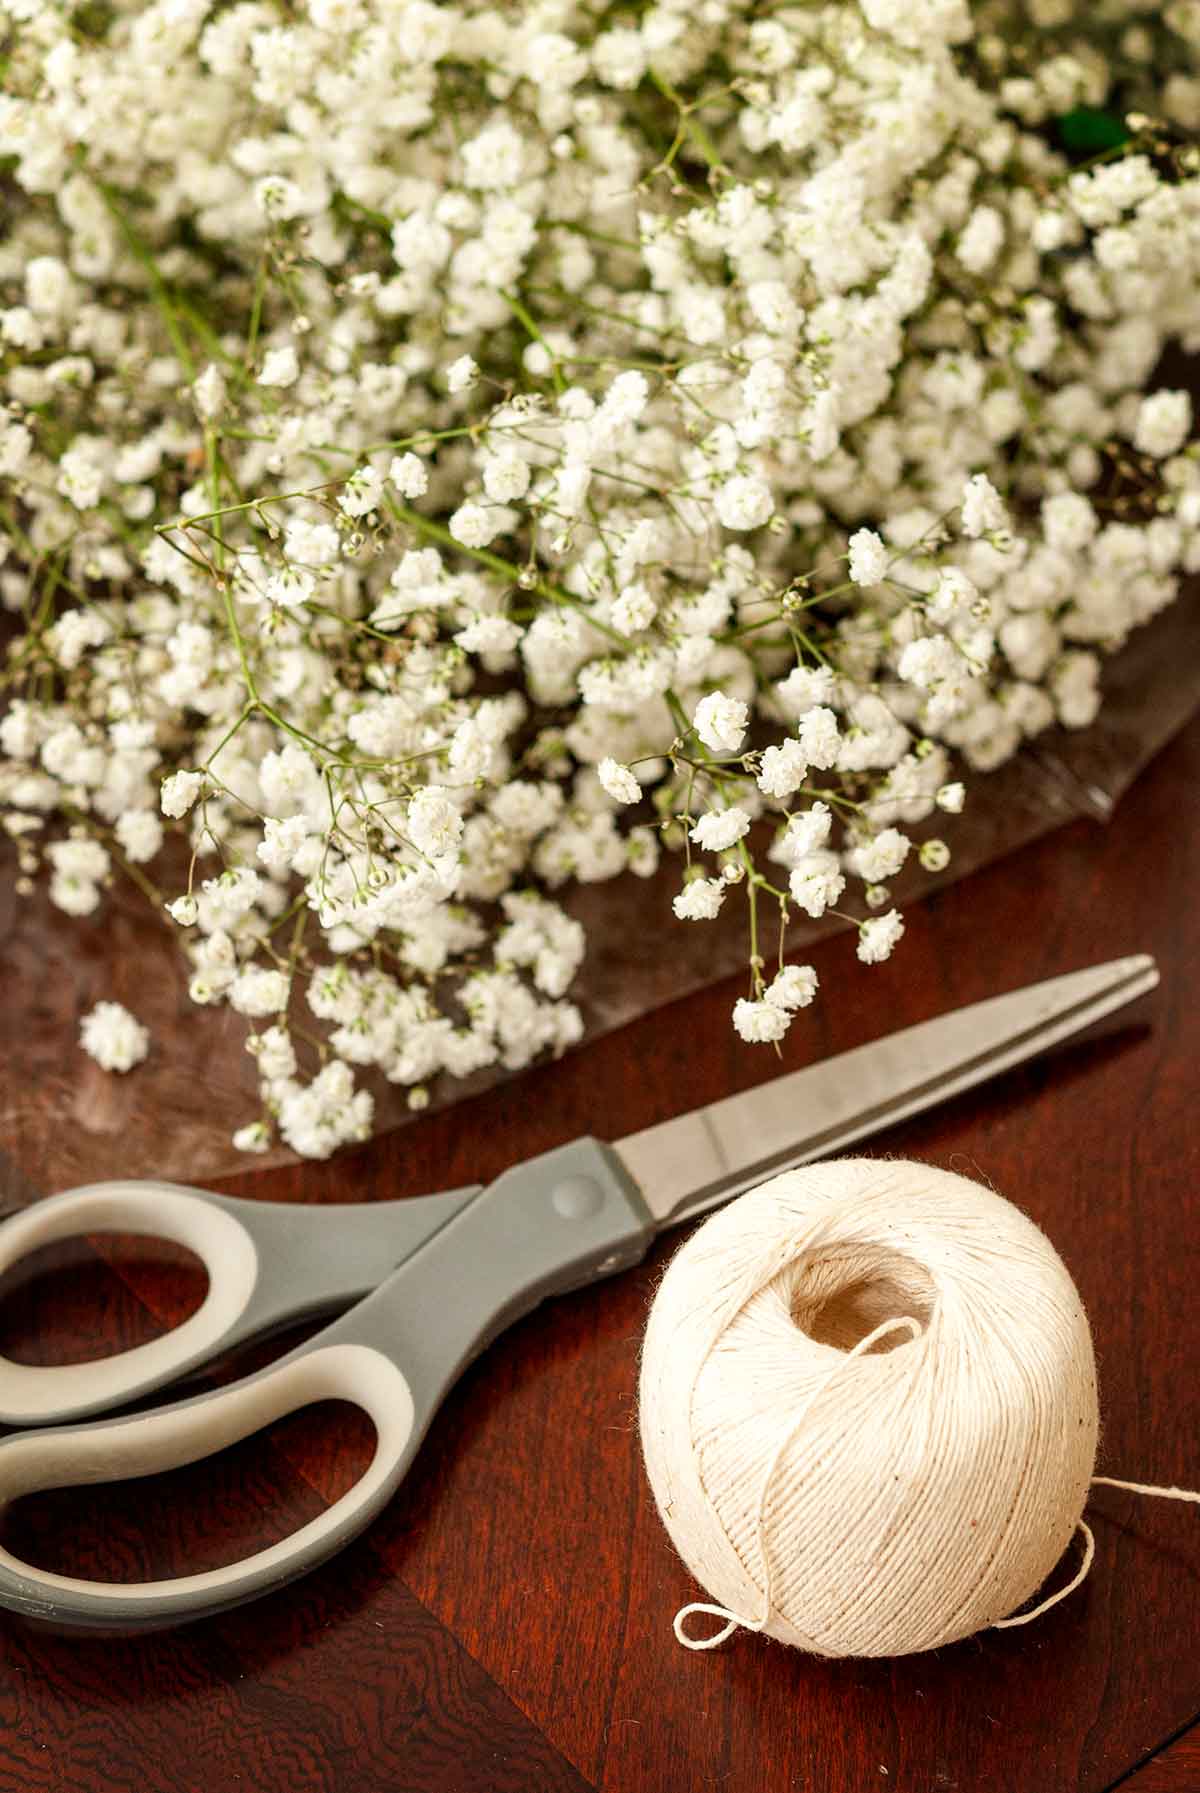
(951, 798)
(721, 722)
(274, 1053)
(475, 525)
(253, 1138)
(633, 610)
(744, 503)
(868, 557)
(74, 896)
(361, 493)
(489, 634)
(434, 823)
(627, 397)
(311, 544)
(1163, 421)
(284, 839)
(930, 661)
(278, 198)
(410, 476)
(817, 883)
(79, 858)
(981, 241)
(180, 791)
(208, 392)
(619, 58)
(139, 834)
(113, 1037)
(80, 479)
(720, 829)
(184, 910)
(952, 598)
(471, 752)
(983, 511)
(700, 899)
(804, 688)
(16, 445)
(290, 587)
(792, 988)
(505, 477)
(1069, 521)
(643, 851)
(760, 1023)
(259, 990)
(461, 374)
(882, 857)
(783, 770)
(620, 783)
(877, 937)
(808, 831)
(227, 898)
(818, 732)
(280, 367)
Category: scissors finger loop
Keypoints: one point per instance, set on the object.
(32, 1394)
(146, 1444)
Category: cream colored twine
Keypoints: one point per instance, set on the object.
(853, 1501)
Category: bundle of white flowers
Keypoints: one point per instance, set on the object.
(453, 449)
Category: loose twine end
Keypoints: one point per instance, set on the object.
(752, 1537)
(901, 1323)
(1089, 1544)
(734, 1622)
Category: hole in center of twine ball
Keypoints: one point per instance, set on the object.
(845, 1293)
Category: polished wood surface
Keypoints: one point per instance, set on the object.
(507, 1623)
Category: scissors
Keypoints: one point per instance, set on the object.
(431, 1280)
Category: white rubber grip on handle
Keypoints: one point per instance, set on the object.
(148, 1443)
(31, 1394)
(556, 1223)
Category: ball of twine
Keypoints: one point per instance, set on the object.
(868, 1408)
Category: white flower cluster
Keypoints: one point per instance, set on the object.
(433, 429)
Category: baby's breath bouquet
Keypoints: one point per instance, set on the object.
(455, 452)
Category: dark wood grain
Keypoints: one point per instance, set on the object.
(507, 1623)
(1175, 1767)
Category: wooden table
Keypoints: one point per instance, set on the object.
(507, 1624)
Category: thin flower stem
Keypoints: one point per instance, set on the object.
(689, 123)
(237, 639)
(592, 235)
(437, 532)
(249, 504)
(256, 311)
(751, 881)
(230, 732)
(162, 294)
(533, 331)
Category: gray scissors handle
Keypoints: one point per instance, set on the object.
(553, 1224)
(268, 1264)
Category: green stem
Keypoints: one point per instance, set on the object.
(250, 504)
(593, 236)
(256, 309)
(230, 732)
(163, 296)
(756, 980)
(436, 532)
(689, 123)
(530, 326)
(239, 643)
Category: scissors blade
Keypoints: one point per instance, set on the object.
(686, 1166)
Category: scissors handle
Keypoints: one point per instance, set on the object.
(268, 1264)
(555, 1223)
